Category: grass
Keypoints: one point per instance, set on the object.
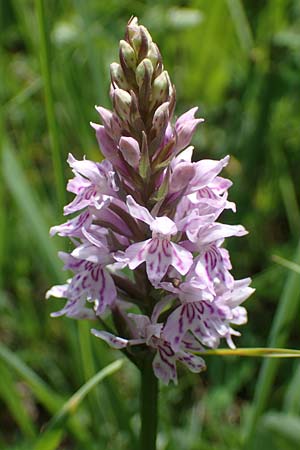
(239, 62)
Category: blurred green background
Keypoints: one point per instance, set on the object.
(239, 61)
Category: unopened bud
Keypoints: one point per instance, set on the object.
(128, 55)
(159, 125)
(132, 29)
(144, 72)
(161, 117)
(122, 103)
(153, 54)
(130, 150)
(138, 36)
(160, 88)
(118, 76)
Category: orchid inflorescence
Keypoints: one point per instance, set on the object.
(148, 247)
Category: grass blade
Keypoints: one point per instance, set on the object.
(292, 396)
(51, 401)
(56, 424)
(241, 24)
(49, 100)
(286, 263)
(285, 314)
(28, 205)
(13, 400)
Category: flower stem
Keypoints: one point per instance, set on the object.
(148, 405)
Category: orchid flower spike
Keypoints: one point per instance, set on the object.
(145, 225)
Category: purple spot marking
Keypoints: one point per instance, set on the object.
(153, 245)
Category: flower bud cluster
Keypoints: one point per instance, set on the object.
(148, 246)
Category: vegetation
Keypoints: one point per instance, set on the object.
(239, 61)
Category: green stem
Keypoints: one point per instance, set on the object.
(149, 404)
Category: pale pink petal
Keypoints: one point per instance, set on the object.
(114, 341)
(130, 150)
(75, 309)
(191, 344)
(138, 211)
(188, 115)
(241, 292)
(206, 171)
(239, 316)
(159, 257)
(58, 291)
(89, 252)
(105, 292)
(177, 325)
(163, 226)
(219, 231)
(74, 226)
(186, 155)
(89, 169)
(136, 254)
(107, 145)
(105, 114)
(182, 259)
(181, 176)
(194, 363)
(164, 364)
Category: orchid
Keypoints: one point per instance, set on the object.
(149, 208)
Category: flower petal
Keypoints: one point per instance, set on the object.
(138, 211)
(195, 363)
(164, 364)
(114, 341)
(182, 259)
(136, 254)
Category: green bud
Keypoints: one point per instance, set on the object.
(118, 76)
(153, 54)
(138, 36)
(160, 88)
(144, 71)
(161, 117)
(159, 125)
(128, 55)
(122, 103)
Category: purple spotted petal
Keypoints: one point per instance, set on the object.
(114, 341)
(164, 363)
(206, 320)
(136, 254)
(194, 363)
(182, 259)
(74, 308)
(74, 226)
